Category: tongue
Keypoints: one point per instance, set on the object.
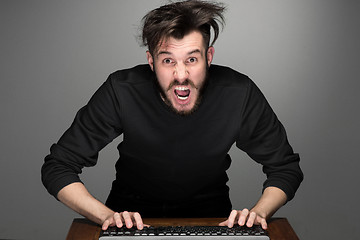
(182, 93)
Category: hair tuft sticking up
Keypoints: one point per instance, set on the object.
(180, 18)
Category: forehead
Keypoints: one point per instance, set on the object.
(192, 42)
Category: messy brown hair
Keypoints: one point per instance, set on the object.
(180, 18)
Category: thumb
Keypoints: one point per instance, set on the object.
(105, 224)
(224, 223)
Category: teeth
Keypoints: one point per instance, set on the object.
(182, 98)
(181, 88)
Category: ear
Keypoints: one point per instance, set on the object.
(210, 55)
(150, 60)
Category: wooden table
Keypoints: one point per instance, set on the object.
(83, 229)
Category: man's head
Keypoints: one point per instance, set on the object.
(178, 39)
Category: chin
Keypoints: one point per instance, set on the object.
(185, 110)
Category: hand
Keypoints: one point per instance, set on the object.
(244, 216)
(128, 218)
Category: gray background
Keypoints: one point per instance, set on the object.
(304, 55)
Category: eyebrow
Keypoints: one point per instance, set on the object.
(169, 53)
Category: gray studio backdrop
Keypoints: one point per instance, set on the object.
(304, 55)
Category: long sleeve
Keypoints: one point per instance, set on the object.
(264, 139)
(94, 126)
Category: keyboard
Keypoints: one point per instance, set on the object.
(185, 232)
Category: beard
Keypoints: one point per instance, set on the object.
(201, 89)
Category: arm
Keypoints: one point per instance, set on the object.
(264, 139)
(76, 197)
(94, 126)
(270, 201)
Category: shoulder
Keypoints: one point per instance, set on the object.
(226, 76)
(222, 77)
(135, 75)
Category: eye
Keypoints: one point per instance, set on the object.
(192, 60)
(168, 61)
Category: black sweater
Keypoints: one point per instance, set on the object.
(180, 155)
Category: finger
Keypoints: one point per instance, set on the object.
(251, 219)
(105, 225)
(118, 220)
(127, 219)
(224, 223)
(138, 221)
(263, 223)
(232, 218)
(243, 216)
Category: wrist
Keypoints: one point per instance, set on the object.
(105, 214)
(271, 200)
(260, 211)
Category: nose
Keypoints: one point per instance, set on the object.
(180, 72)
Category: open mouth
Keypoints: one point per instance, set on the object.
(182, 92)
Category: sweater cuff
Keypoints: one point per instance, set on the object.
(281, 185)
(60, 183)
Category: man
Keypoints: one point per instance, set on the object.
(179, 116)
